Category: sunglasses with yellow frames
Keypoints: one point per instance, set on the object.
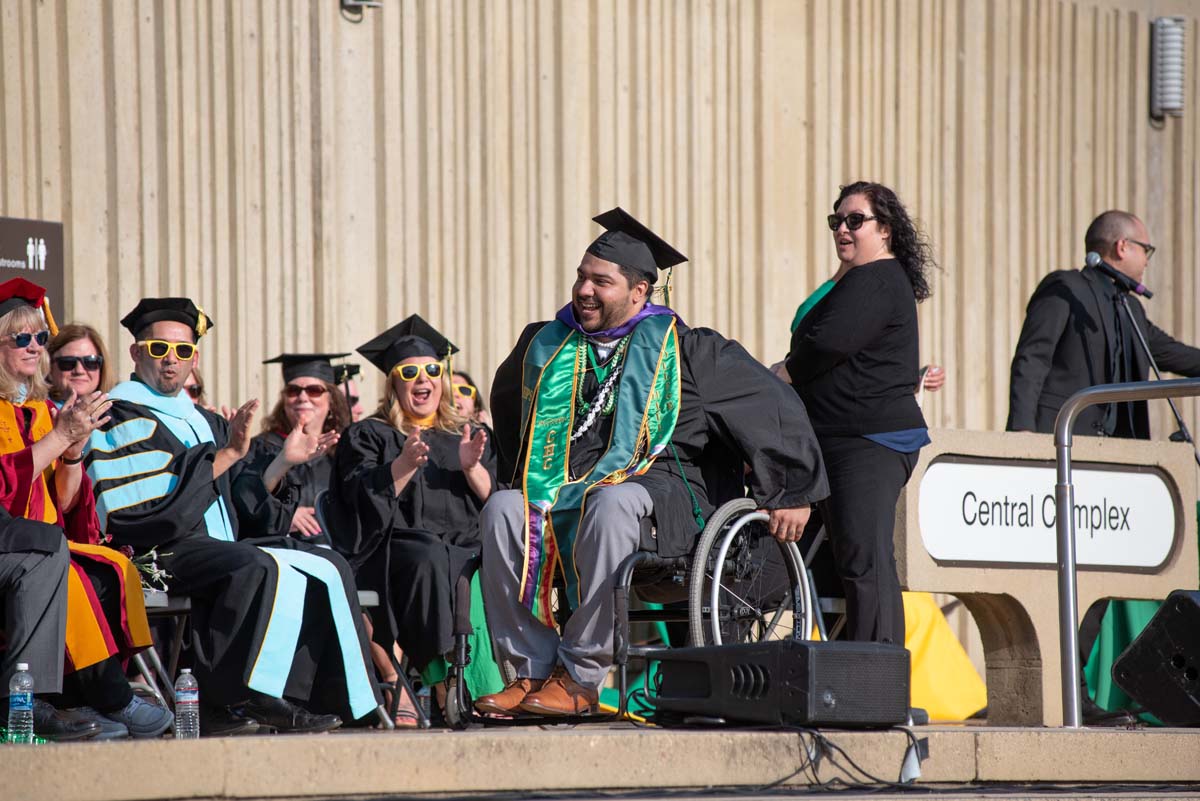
(159, 348)
(409, 372)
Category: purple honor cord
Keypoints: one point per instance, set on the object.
(566, 316)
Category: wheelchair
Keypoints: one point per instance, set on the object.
(740, 584)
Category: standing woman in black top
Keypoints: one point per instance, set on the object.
(854, 362)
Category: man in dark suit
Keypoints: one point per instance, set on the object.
(1076, 335)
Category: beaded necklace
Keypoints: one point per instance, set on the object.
(606, 398)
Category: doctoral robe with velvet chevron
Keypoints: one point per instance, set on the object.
(268, 615)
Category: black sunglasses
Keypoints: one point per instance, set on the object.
(195, 390)
(90, 363)
(854, 220)
(23, 339)
(312, 390)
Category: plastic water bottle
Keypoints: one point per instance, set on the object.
(187, 706)
(20, 705)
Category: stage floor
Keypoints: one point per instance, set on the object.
(599, 757)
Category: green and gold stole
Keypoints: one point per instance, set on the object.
(646, 412)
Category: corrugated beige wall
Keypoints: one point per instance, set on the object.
(311, 180)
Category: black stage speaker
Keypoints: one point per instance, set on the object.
(853, 684)
(1161, 668)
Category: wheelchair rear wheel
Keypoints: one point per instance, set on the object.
(743, 584)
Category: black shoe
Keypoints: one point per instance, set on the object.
(48, 722)
(217, 721)
(1095, 715)
(285, 716)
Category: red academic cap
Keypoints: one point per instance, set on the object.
(17, 292)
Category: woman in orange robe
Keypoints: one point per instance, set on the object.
(42, 478)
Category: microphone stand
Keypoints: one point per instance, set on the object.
(1137, 329)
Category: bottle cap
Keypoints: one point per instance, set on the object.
(22, 666)
(185, 670)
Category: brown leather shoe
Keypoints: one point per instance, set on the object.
(508, 700)
(561, 695)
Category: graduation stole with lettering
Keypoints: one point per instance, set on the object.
(646, 411)
(37, 504)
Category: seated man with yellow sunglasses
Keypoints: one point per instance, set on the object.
(272, 619)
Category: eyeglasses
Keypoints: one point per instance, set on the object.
(195, 390)
(1146, 246)
(409, 372)
(854, 220)
(158, 349)
(313, 391)
(23, 339)
(90, 363)
(466, 390)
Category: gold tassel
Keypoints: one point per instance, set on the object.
(201, 322)
(53, 326)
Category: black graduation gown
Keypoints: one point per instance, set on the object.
(232, 584)
(409, 548)
(733, 412)
(269, 514)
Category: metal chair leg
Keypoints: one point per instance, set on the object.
(148, 680)
(385, 718)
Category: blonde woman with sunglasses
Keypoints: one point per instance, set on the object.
(409, 483)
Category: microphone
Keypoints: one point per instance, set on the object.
(1122, 280)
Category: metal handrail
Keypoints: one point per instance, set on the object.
(1064, 495)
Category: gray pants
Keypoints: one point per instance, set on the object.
(609, 532)
(33, 592)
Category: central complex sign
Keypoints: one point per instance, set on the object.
(974, 510)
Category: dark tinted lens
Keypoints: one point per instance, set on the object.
(195, 390)
(43, 337)
(184, 351)
(315, 390)
(158, 349)
(834, 222)
(465, 389)
(23, 339)
(854, 221)
(433, 369)
(409, 372)
(90, 363)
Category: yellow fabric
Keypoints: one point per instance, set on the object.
(422, 422)
(135, 603)
(86, 643)
(12, 442)
(944, 680)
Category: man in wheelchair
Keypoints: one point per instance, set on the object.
(615, 424)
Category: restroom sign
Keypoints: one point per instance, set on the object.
(33, 250)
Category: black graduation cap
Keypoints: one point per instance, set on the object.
(630, 244)
(404, 340)
(345, 371)
(313, 365)
(177, 310)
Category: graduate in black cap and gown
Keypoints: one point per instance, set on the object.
(275, 623)
(613, 421)
(292, 459)
(409, 482)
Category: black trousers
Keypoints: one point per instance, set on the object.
(865, 480)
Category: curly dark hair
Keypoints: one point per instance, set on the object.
(908, 245)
